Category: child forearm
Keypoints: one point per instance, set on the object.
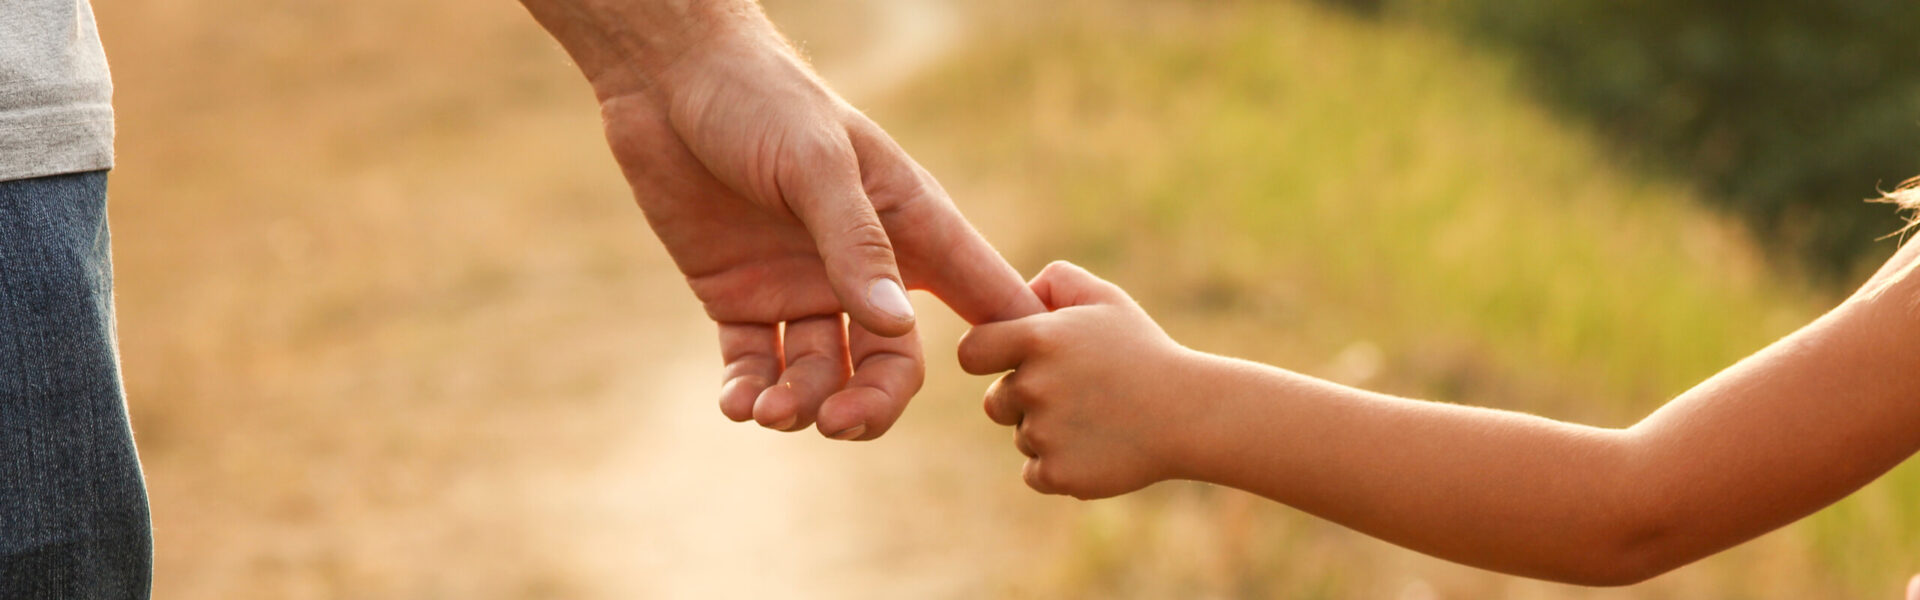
(1494, 489)
(1793, 428)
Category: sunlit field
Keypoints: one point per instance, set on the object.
(392, 327)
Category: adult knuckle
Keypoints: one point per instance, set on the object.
(820, 146)
(745, 358)
(811, 347)
(809, 162)
(864, 235)
(819, 364)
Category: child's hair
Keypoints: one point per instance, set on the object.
(1907, 197)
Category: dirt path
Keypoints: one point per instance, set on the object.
(335, 401)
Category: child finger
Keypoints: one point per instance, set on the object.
(995, 347)
(816, 357)
(751, 353)
(1024, 442)
(1002, 407)
(1034, 473)
(1062, 284)
(887, 372)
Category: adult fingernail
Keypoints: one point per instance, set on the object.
(786, 424)
(850, 432)
(765, 404)
(886, 295)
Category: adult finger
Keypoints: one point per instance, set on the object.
(751, 353)
(1062, 284)
(995, 347)
(816, 365)
(886, 373)
(1001, 405)
(1913, 588)
(825, 191)
(938, 249)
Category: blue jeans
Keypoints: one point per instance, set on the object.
(73, 508)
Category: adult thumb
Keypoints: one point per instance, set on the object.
(945, 255)
(827, 195)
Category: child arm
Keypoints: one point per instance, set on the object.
(1105, 406)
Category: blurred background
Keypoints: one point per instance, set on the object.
(392, 327)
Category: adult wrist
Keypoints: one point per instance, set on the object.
(663, 62)
(631, 47)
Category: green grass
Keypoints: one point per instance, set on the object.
(1290, 184)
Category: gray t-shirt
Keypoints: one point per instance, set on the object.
(56, 98)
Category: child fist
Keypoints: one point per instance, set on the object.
(1091, 389)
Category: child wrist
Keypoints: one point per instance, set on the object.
(1193, 436)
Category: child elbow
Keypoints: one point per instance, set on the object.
(1609, 569)
(1635, 554)
(1619, 572)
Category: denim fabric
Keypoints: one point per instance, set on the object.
(73, 508)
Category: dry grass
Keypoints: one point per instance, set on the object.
(1373, 202)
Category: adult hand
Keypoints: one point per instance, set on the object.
(783, 205)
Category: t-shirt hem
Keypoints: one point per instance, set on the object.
(29, 151)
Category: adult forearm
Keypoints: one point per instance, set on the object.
(1493, 489)
(626, 46)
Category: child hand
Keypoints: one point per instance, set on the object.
(1092, 388)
